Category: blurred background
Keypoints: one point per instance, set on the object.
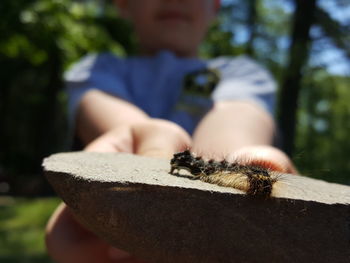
(305, 44)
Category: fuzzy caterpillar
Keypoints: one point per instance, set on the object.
(253, 179)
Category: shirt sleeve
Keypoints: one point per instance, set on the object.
(243, 79)
(97, 71)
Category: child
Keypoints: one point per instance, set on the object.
(158, 103)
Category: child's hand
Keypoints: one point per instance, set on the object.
(153, 137)
(267, 156)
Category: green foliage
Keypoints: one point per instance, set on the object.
(40, 39)
(218, 43)
(43, 26)
(322, 140)
(22, 229)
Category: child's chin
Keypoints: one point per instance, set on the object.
(177, 48)
(178, 44)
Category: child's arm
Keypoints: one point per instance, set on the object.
(99, 112)
(240, 129)
(106, 123)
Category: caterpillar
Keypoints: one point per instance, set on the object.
(253, 179)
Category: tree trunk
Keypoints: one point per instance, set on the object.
(304, 17)
(252, 19)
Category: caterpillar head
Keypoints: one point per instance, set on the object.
(185, 160)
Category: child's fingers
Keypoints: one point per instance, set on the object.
(68, 241)
(159, 138)
(266, 156)
(117, 140)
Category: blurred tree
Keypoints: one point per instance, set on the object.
(324, 114)
(40, 38)
(252, 25)
(337, 31)
(321, 144)
(304, 18)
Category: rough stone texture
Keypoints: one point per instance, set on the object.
(135, 204)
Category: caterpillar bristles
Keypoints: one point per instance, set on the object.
(255, 180)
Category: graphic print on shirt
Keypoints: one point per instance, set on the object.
(196, 96)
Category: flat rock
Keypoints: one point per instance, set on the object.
(135, 204)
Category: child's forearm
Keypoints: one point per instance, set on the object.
(99, 113)
(230, 126)
(109, 124)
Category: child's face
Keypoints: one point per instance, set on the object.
(176, 25)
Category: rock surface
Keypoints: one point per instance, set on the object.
(135, 204)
